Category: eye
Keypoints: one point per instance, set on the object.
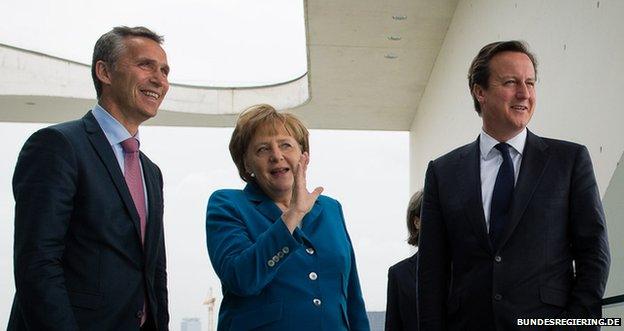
(510, 82)
(262, 149)
(286, 145)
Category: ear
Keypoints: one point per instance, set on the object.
(103, 72)
(478, 92)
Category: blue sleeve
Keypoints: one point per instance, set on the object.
(356, 310)
(245, 266)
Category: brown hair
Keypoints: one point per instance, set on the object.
(479, 72)
(413, 212)
(263, 117)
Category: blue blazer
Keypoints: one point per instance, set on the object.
(272, 280)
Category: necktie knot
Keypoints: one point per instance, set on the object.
(503, 148)
(130, 145)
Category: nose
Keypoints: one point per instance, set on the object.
(276, 155)
(523, 91)
(159, 79)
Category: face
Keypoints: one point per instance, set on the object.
(270, 157)
(508, 103)
(138, 80)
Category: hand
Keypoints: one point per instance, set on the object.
(301, 201)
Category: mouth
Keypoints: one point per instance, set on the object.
(151, 94)
(520, 108)
(279, 171)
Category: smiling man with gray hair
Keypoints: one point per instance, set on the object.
(89, 251)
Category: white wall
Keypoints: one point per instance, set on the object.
(580, 49)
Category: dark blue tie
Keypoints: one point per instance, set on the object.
(501, 197)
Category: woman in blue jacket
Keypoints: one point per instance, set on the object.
(282, 253)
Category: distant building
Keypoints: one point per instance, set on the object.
(191, 324)
(377, 320)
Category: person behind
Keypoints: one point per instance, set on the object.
(402, 277)
(89, 252)
(512, 224)
(282, 253)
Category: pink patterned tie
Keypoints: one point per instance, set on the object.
(134, 180)
(132, 173)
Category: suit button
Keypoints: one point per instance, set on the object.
(313, 275)
(498, 297)
(139, 314)
(280, 254)
(270, 263)
(317, 302)
(310, 250)
(285, 249)
(275, 258)
(497, 258)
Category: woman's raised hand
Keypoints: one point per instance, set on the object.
(302, 200)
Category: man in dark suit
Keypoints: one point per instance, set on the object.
(512, 224)
(89, 250)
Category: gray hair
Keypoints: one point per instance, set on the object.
(110, 45)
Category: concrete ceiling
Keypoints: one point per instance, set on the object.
(353, 85)
(358, 77)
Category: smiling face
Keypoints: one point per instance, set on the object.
(269, 157)
(508, 103)
(134, 87)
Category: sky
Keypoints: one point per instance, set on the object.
(367, 171)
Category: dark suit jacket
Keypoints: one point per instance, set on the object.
(401, 303)
(78, 260)
(553, 257)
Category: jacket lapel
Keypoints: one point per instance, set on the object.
(153, 187)
(534, 161)
(105, 152)
(468, 177)
(264, 204)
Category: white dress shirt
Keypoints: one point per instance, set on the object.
(491, 160)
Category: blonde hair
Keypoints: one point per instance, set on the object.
(263, 117)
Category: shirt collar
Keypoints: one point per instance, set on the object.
(113, 130)
(487, 143)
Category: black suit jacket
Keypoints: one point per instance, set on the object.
(401, 301)
(552, 260)
(78, 259)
